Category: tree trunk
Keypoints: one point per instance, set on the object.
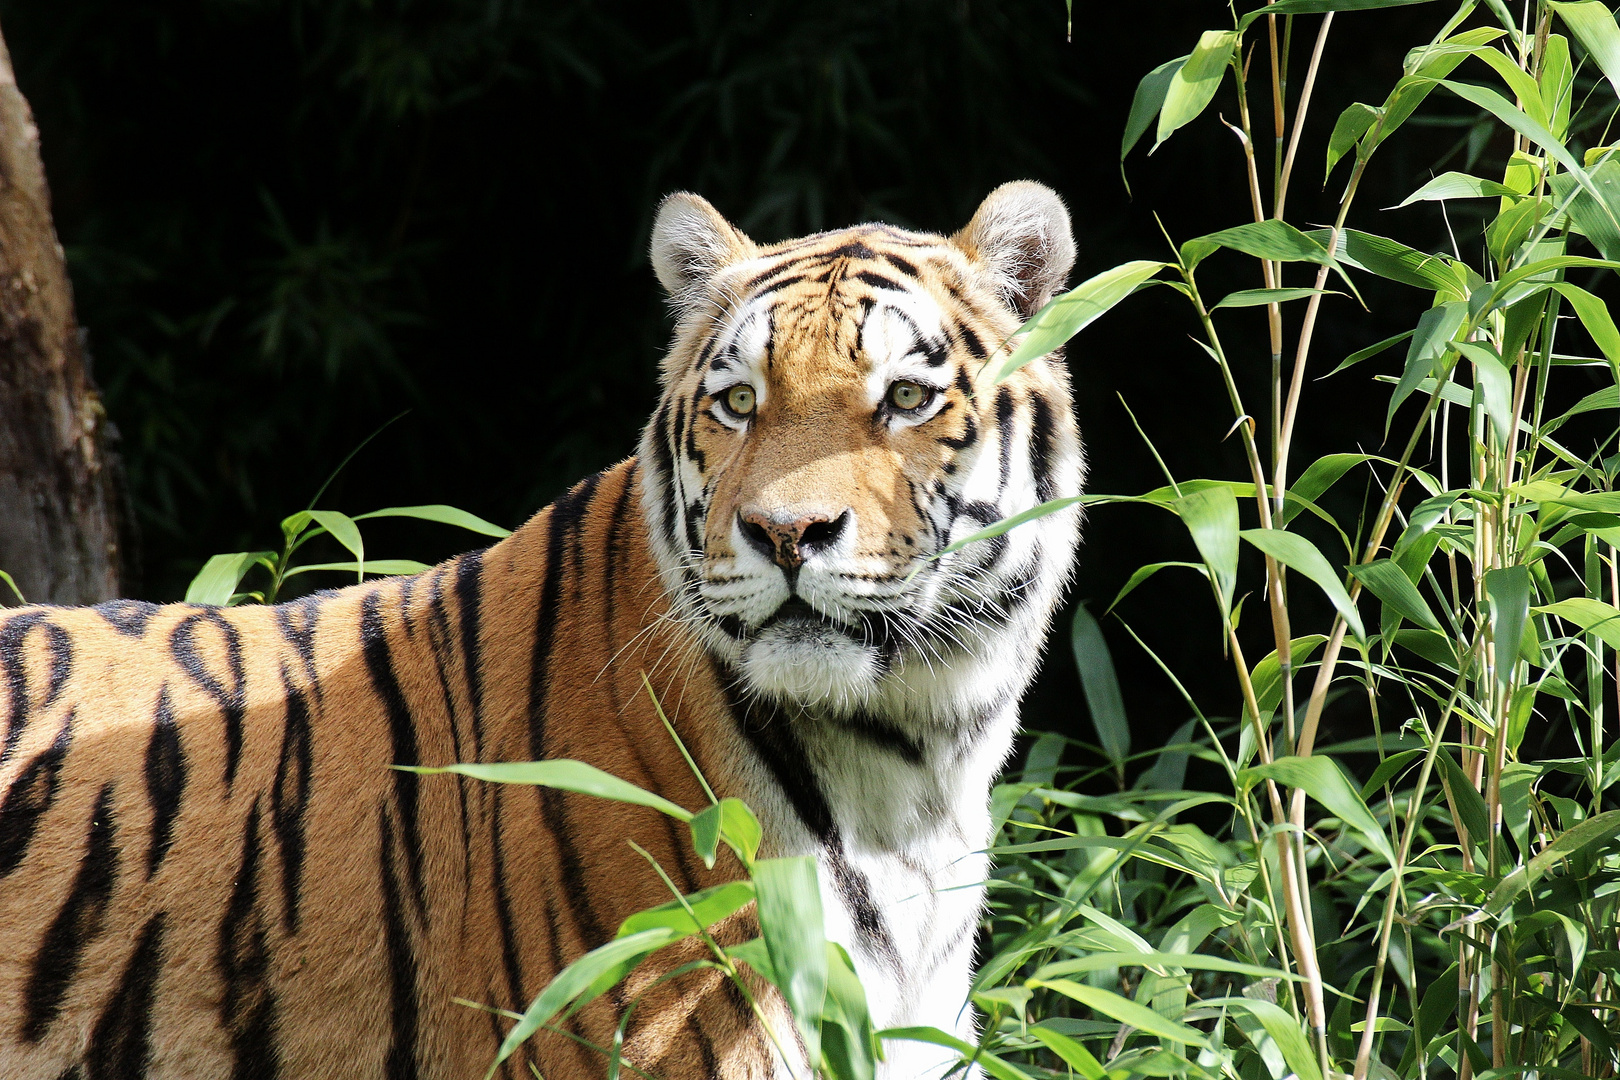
(59, 536)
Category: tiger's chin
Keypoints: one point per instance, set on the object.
(810, 663)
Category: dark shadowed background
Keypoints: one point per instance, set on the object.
(288, 221)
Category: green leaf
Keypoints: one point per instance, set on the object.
(1007, 524)
(1515, 118)
(1430, 343)
(1393, 260)
(849, 1047)
(1142, 573)
(1257, 297)
(709, 906)
(21, 599)
(705, 826)
(790, 921)
(1101, 686)
(1285, 1031)
(990, 1063)
(739, 828)
(1103, 961)
(379, 567)
(1594, 830)
(1593, 616)
(1212, 518)
(216, 582)
(562, 774)
(445, 515)
(1299, 554)
(1323, 780)
(1370, 351)
(1124, 1010)
(1557, 83)
(1351, 125)
(1316, 7)
(1147, 102)
(1266, 678)
(1314, 482)
(1066, 315)
(1594, 315)
(1387, 581)
(1593, 218)
(602, 966)
(1071, 1053)
(1593, 26)
(1495, 383)
(1456, 185)
(1194, 83)
(1507, 594)
(1269, 239)
(343, 530)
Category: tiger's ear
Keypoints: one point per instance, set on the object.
(691, 242)
(1021, 238)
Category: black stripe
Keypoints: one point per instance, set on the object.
(401, 1063)
(771, 735)
(856, 892)
(879, 281)
(975, 344)
(1004, 434)
(969, 436)
(231, 700)
(705, 1045)
(905, 266)
(438, 633)
(248, 1005)
(563, 525)
(517, 1000)
(469, 593)
(402, 734)
(29, 797)
(297, 624)
(615, 550)
(128, 617)
(882, 733)
(79, 920)
(289, 798)
(165, 780)
(1043, 448)
(13, 635)
(121, 1044)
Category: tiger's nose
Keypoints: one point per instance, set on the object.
(788, 540)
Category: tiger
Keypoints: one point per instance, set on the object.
(209, 867)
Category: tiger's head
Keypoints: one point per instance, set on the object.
(829, 423)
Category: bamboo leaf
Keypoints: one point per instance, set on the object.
(1284, 1030)
(1495, 383)
(1387, 581)
(445, 515)
(1101, 686)
(1351, 125)
(790, 921)
(1212, 518)
(602, 966)
(990, 1063)
(1322, 779)
(562, 774)
(1430, 343)
(344, 531)
(1066, 315)
(1269, 239)
(1071, 1053)
(1594, 830)
(1124, 1010)
(1299, 554)
(216, 582)
(1456, 185)
(1593, 26)
(1593, 616)
(1194, 83)
(1258, 297)
(1507, 594)
(1147, 102)
(692, 913)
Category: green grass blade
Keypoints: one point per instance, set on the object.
(444, 515)
(1101, 686)
(790, 921)
(563, 774)
(1066, 315)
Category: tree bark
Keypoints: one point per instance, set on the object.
(59, 520)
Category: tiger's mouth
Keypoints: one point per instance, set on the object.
(796, 609)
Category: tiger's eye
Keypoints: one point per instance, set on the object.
(909, 395)
(740, 400)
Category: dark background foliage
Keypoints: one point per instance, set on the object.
(289, 220)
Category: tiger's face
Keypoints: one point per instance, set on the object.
(829, 424)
